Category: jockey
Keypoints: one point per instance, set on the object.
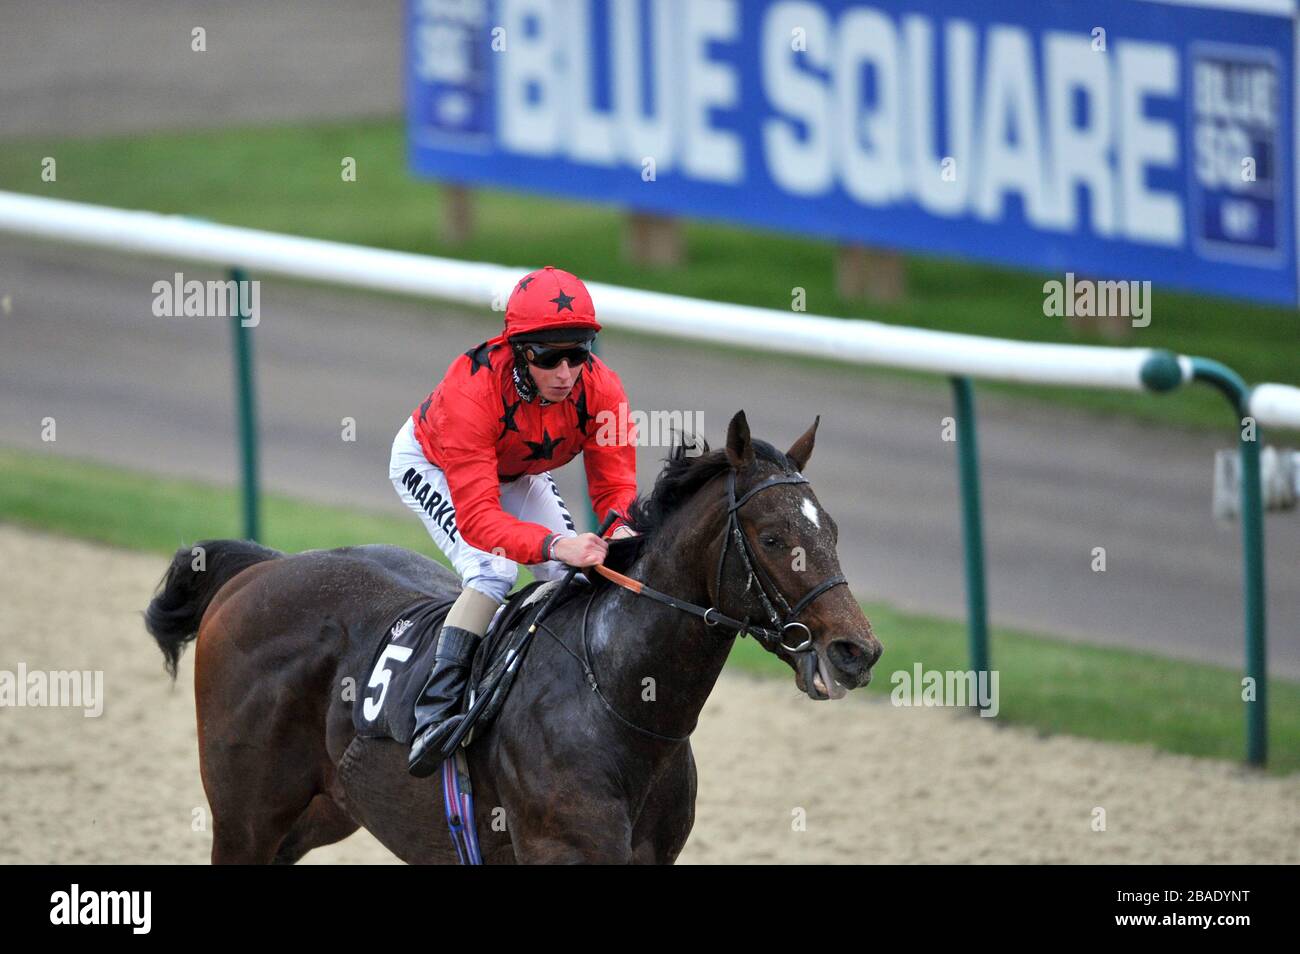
(474, 459)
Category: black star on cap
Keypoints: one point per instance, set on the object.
(543, 449)
(562, 302)
(508, 418)
(583, 416)
(424, 408)
(480, 357)
(525, 282)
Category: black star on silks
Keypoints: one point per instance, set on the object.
(562, 302)
(508, 418)
(583, 416)
(424, 408)
(543, 449)
(480, 357)
(525, 282)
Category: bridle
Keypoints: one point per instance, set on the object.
(773, 636)
(787, 619)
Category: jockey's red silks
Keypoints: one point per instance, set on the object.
(479, 430)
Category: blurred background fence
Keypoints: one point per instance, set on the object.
(484, 285)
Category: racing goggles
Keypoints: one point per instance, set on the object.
(548, 357)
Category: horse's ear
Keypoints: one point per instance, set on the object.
(740, 450)
(801, 449)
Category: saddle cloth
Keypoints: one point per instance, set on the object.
(400, 666)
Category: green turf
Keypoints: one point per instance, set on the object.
(287, 179)
(1050, 685)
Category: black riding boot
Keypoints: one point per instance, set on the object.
(435, 709)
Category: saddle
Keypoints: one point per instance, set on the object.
(403, 659)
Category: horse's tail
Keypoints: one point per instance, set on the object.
(184, 592)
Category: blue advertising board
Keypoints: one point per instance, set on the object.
(1132, 139)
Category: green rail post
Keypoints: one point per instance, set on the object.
(245, 398)
(1234, 388)
(972, 524)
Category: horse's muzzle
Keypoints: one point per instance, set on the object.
(845, 664)
(851, 660)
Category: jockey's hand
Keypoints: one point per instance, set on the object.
(586, 549)
(622, 531)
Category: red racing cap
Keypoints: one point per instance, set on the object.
(547, 300)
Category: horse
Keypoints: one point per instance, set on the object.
(581, 763)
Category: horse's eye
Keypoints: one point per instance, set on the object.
(771, 541)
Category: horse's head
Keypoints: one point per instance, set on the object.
(750, 542)
(781, 571)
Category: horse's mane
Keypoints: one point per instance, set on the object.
(682, 476)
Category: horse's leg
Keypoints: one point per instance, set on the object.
(668, 813)
(569, 849)
(262, 754)
(254, 808)
(584, 831)
(592, 825)
(323, 823)
(243, 837)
